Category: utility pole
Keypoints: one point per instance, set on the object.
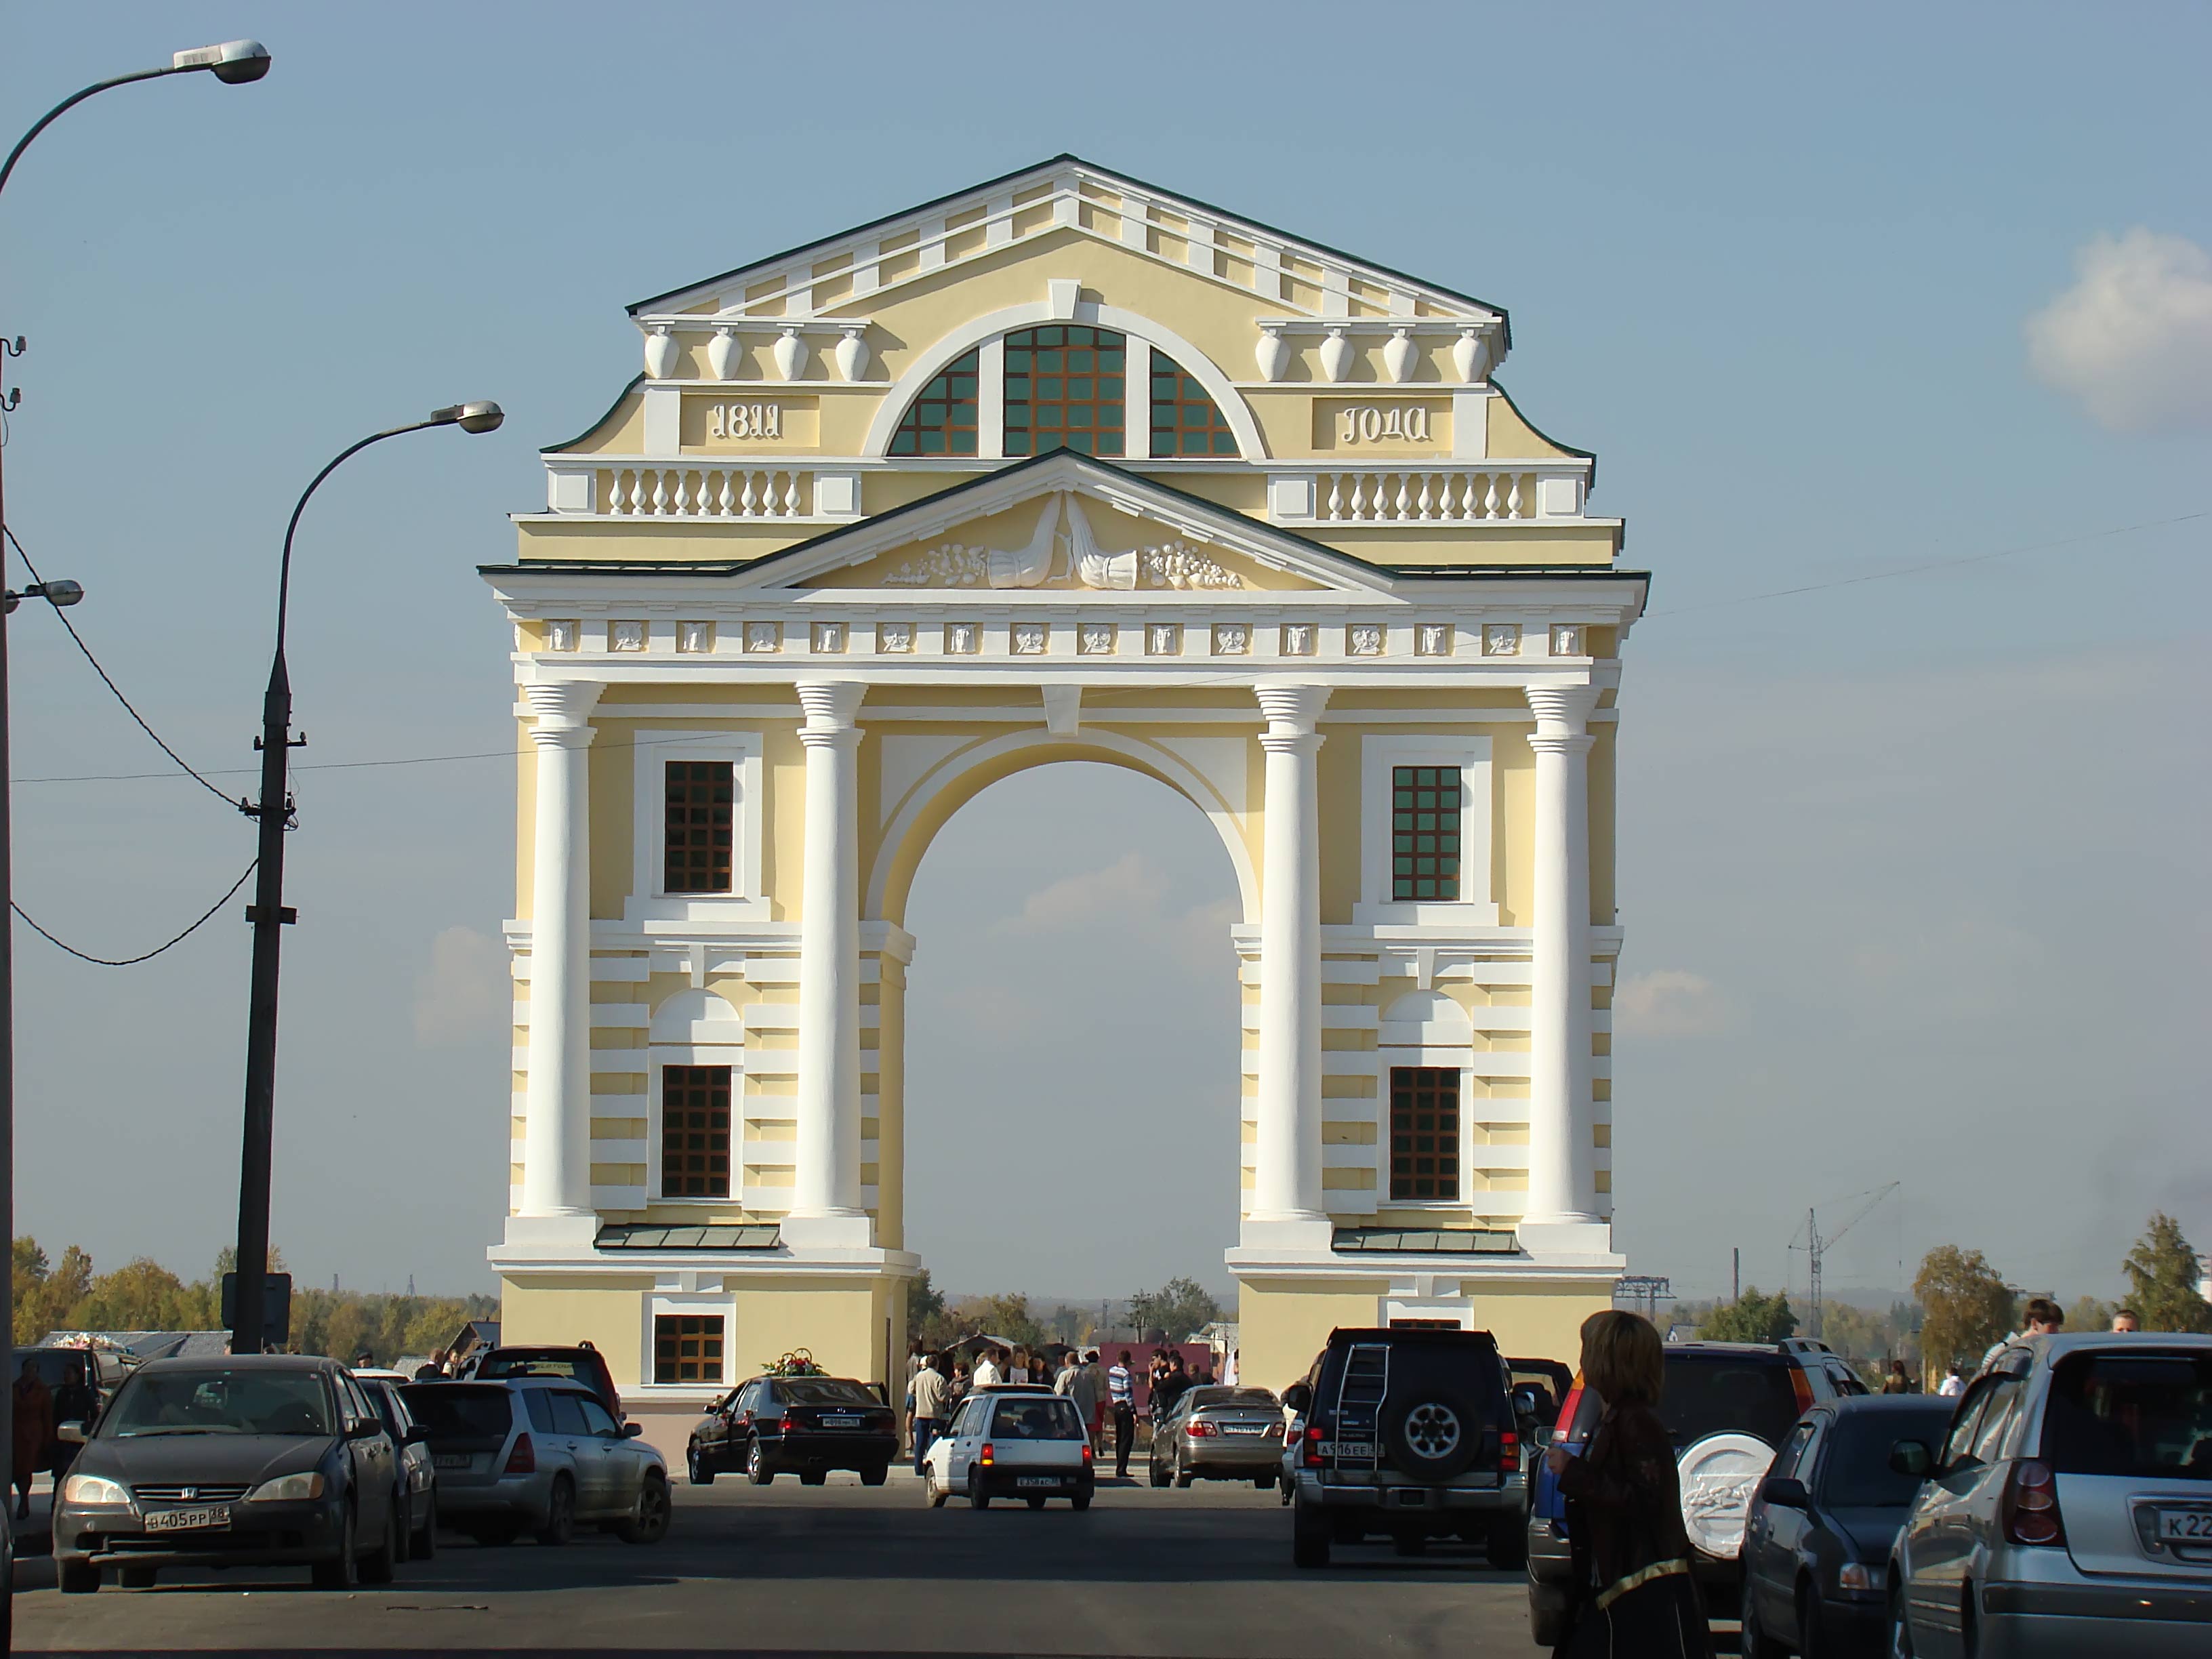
(1812, 1249)
(1736, 1274)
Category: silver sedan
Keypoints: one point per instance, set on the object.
(1217, 1432)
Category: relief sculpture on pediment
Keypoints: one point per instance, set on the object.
(1062, 549)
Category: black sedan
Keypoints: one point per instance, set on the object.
(802, 1426)
(252, 1461)
(1817, 1538)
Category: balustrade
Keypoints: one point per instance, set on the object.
(704, 492)
(1379, 495)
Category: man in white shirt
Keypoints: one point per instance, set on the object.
(928, 1407)
(988, 1374)
(1954, 1385)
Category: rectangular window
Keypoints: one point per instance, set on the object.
(1425, 809)
(687, 1348)
(1425, 1132)
(695, 1131)
(700, 826)
(1065, 389)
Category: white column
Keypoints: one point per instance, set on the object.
(556, 1136)
(1286, 1192)
(1562, 1187)
(825, 1200)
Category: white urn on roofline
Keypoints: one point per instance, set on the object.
(1398, 356)
(1470, 356)
(660, 353)
(723, 353)
(790, 354)
(852, 353)
(1335, 356)
(1273, 353)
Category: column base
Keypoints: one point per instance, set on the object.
(847, 1230)
(1298, 1234)
(1570, 1241)
(564, 1235)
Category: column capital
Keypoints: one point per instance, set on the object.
(1562, 711)
(1291, 743)
(1292, 708)
(562, 709)
(1561, 743)
(832, 706)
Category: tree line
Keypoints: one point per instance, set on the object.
(1169, 1314)
(144, 1295)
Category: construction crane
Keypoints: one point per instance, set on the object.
(1816, 1247)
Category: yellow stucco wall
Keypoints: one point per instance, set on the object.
(563, 1309)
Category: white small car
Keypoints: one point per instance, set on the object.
(1011, 1442)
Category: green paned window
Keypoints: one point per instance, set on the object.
(698, 826)
(1185, 420)
(1424, 814)
(942, 420)
(695, 1131)
(1066, 386)
(1425, 1132)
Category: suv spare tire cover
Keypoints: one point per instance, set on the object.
(1430, 1432)
(1720, 1475)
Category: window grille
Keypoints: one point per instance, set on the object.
(1425, 1132)
(942, 421)
(695, 1131)
(1185, 420)
(1067, 388)
(699, 826)
(1425, 813)
(687, 1348)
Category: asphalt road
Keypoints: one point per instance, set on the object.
(849, 1570)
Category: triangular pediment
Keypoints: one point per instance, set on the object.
(1065, 523)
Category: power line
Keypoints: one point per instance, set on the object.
(107, 680)
(126, 962)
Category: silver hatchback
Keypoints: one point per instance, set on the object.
(2069, 1510)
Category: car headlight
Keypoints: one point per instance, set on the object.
(286, 1488)
(1856, 1576)
(93, 1489)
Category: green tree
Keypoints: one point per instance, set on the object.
(2090, 1314)
(1750, 1318)
(1967, 1306)
(2163, 1273)
(925, 1312)
(139, 1296)
(1174, 1312)
(32, 1270)
(1006, 1315)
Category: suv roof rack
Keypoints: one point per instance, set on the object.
(1803, 1345)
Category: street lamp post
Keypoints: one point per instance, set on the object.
(233, 63)
(249, 1321)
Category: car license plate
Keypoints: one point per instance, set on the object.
(2177, 1526)
(841, 1422)
(1247, 1428)
(1347, 1448)
(450, 1461)
(212, 1514)
(1036, 1481)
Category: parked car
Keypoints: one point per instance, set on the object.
(415, 1475)
(1816, 1538)
(2068, 1508)
(582, 1364)
(802, 1426)
(1022, 1441)
(1543, 1383)
(104, 1368)
(1219, 1433)
(538, 1454)
(1727, 1407)
(1406, 1432)
(262, 1460)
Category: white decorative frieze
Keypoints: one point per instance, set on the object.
(961, 639)
(1501, 639)
(1095, 639)
(1163, 639)
(949, 565)
(1299, 639)
(1567, 639)
(561, 636)
(829, 638)
(1029, 638)
(763, 636)
(693, 638)
(894, 638)
(1364, 640)
(1432, 639)
(625, 636)
(1232, 639)
(1061, 550)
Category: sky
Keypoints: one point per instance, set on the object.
(1909, 856)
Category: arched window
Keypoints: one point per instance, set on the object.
(1185, 420)
(942, 420)
(1067, 388)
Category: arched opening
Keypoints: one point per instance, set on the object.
(1071, 1068)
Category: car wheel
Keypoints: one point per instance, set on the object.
(344, 1573)
(137, 1578)
(756, 1468)
(1506, 1544)
(1900, 1625)
(930, 1488)
(423, 1547)
(875, 1474)
(977, 1497)
(77, 1577)
(813, 1477)
(1159, 1476)
(1184, 1478)
(383, 1561)
(1081, 1500)
(1264, 1482)
(560, 1514)
(696, 1468)
(1812, 1624)
(656, 1508)
(1754, 1643)
(1310, 1535)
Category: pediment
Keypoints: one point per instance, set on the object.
(1068, 523)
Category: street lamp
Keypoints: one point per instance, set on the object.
(232, 63)
(268, 914)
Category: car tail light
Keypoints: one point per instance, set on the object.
(1313, 1446)
(1199, 1430)
(1087, 1453)
(523, 1460)
(1563, 1423)
(1508, 1452)
(789, 1426)
(1802, 1386)
(987, 1456)
(2030, 1505)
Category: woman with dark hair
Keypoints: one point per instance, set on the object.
(1634, 1592)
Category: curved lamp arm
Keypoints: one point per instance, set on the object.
(233, 63)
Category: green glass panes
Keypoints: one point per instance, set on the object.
(1425, 1132)
(942, 420)
(1425, 813)
(1067, 388)
(1185, 420)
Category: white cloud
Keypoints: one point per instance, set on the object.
(2132, 339)
(1669, 1002)
(1129, 888)
(467, 991)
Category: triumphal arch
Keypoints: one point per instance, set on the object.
(1062, 467)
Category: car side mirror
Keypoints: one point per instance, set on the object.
(631, 1430)
(363, 1428)
(1540, 1437)
(417, 1435)
(1784, 1492)
(1298, 1396)
(1524, 1402)
(70, 1433)
(1912, 1458)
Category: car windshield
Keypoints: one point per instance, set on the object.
(1036, 1420)
(1258, 1399)
(2146, 1416)
(823, 1391)
(460, 1411)
(220, 1402)
(1727, 1394)
(1854, 1472)
(529, 1364)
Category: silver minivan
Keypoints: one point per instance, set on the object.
(2069, 1510)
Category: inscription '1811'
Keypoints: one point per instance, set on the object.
(745, 421)
(1375, 423)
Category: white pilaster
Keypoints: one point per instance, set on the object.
(557, 1143)
(1286, 1209)
(1562, 1205)
(825, 1200)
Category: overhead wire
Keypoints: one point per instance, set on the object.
(127, 962)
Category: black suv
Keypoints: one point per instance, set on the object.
(1409, 1433)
